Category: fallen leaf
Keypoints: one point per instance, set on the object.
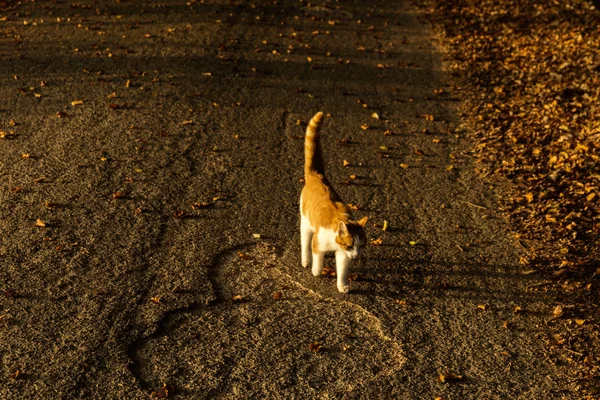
(558, 311)
(412, 243)
(200, 205)
(405, 166)
(364, 127)
(450, 376)
(529, 197)
(164, 392)
(40, 223)
(528, 272)
(314, 347)
(346, 163)
(377, 242)
(156, 299)
(118, 195)
(518, 309)
(179, 214)
(375, 115)
(352, 207)
(15, 375)
(277, 295)
(481, 306)
(580, 321)
(237, 298)
(256, 235)
(77, 102)
(244, 256)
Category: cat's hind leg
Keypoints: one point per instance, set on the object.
(342, 264)
(306, 234)
(317, 257)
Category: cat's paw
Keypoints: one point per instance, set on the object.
(343, 288)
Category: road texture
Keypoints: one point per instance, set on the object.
(150, 170)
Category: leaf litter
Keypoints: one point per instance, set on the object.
(529, 79)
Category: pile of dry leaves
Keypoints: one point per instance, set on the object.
(530, 74)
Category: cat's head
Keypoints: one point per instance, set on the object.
(351, 238)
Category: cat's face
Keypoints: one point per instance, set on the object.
(351, 237)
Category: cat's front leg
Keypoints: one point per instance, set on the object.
(342, 264)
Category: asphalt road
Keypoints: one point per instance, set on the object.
(150, 172)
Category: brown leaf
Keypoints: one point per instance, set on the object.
(15, 375)
(277, 295)
(450, 376)
(164, 392)
(314, 347)
(179, 214)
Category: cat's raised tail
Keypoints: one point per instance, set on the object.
(313, 159)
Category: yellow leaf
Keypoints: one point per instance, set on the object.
(77, 102)
(377, 242)
(375, 115)
(237, 297)
(346, 163)
(529, 197)
(412, 243)
(558, 311)
(385, 225)
(405, 166)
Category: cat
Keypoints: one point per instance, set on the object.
(325, 222)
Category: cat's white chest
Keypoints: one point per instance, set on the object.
(326, 240)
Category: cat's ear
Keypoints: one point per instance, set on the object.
(362, 222)
(342, 229)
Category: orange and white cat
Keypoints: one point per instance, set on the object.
(325, 222)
